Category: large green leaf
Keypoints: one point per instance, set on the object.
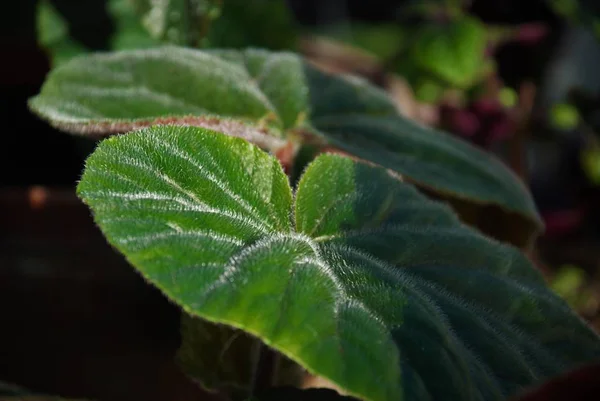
(261, 96)
(359, 277)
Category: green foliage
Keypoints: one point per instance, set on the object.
(508, 97)
(569, 284)
(115, 92)
(129, 33)
(53, 34)
(268, 98)
(353, 274)
(142, 24)
(178, 22)
(564, 116)
(433, 56)
(383, 40)
(355, 269)
(453, 53)
(590, 163)
(266, 24)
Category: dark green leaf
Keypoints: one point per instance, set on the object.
(441, 164)
(267, 24)
(360, 279)
(254, 98)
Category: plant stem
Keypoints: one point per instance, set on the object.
(265, 369)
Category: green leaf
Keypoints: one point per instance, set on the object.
(255, 97)
(129, 30)
(453, 52)
(363, 122)
(262, 97)
(360, 278)
(435, 161)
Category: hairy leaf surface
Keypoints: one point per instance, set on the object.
(357, 277)
(266, 97)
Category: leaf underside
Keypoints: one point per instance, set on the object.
(356, 276)
(266, 97)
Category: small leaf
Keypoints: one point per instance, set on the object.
(360, 279)
(453, 52)
(53, 34)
